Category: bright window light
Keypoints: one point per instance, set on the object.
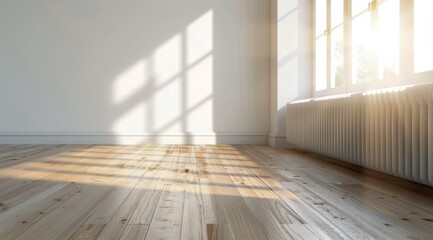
(321, 52)
(388, 39)
(423, 38)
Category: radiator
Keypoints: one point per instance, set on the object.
(388, 130)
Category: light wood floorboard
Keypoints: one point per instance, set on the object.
(198, 192)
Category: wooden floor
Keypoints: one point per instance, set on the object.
(197, 192)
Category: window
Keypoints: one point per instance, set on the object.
(321, 62)
(336, 34)
(329, 38)
(361, 44)
(423, 39)
(388, 39)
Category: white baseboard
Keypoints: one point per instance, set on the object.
(131, 138)
(277, 141)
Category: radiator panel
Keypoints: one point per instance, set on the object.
(389, 130)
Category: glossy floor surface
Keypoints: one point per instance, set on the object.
(197, 192)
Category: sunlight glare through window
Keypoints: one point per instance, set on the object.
(363, 59)
(423, 51)
(388, 36)
(321, 59)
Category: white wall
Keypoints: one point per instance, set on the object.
(291, 78)
(134, 71)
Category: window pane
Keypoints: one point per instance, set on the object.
(337, 17)
(337, 57)
(423, 51)
(388, 39)
(359, 6)
(320, 70)
(321, 57)
(363, 60)
(337, 12)
(321, 15)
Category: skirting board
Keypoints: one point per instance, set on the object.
(277, 141)
(135, 138)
